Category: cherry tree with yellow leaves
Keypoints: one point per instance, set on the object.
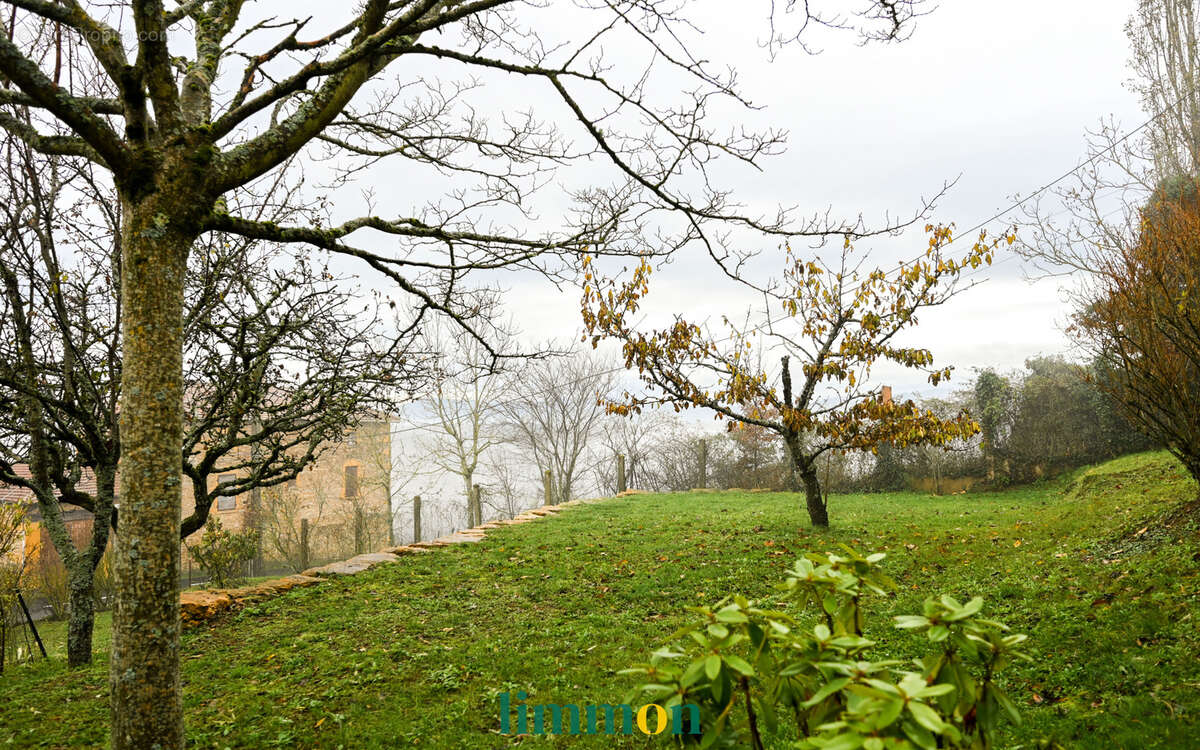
(826, 324)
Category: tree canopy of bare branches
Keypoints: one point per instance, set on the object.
(277, 362)
(1082, 223)
(555, 413)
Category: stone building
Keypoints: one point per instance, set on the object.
(338, 506)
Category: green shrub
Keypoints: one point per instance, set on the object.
(756, 672)
(48, 580)
(224, 554)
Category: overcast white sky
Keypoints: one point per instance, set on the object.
(1000, 94)
(996, 95)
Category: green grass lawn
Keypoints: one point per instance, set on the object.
(54, 637)
(54, 632)
(414, 654)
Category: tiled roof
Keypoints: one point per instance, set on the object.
(15, 494)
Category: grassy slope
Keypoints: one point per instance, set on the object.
(413, 653)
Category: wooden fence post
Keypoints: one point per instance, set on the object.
(416, 518)
(477, 504)
(304, 556)
(703, 463)
(391, 523)
(548, 483)
(620, 473)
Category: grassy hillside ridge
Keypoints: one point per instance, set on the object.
(414, 654)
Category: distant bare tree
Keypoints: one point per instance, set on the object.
(463, 399)
(284, 509)
(1164, 42)
(637, 440)
(675, 458)
(504, 492)
(554, 414)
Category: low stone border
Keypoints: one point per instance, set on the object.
(199, 607)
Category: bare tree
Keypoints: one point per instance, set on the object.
(635, 439)
(674, 462)
(1084, 222)
(506, 495)
(59, 374)
(197, 100)
(1164, 42)
(277, 363)
(464, 401)
(344, 500)
(555, 413)
(285, 514)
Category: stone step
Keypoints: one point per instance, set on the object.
(406, 549)
(353, 566)
(460, 539)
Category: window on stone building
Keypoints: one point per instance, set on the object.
(351, 483)
(226, 502)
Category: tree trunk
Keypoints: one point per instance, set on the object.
(305, 557)
(818, 513)
(81, 612)
(804, 468)
(1190, 462)
(466, 475)
(477, 505)
(146, 708)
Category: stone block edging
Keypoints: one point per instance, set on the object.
(200, 607)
